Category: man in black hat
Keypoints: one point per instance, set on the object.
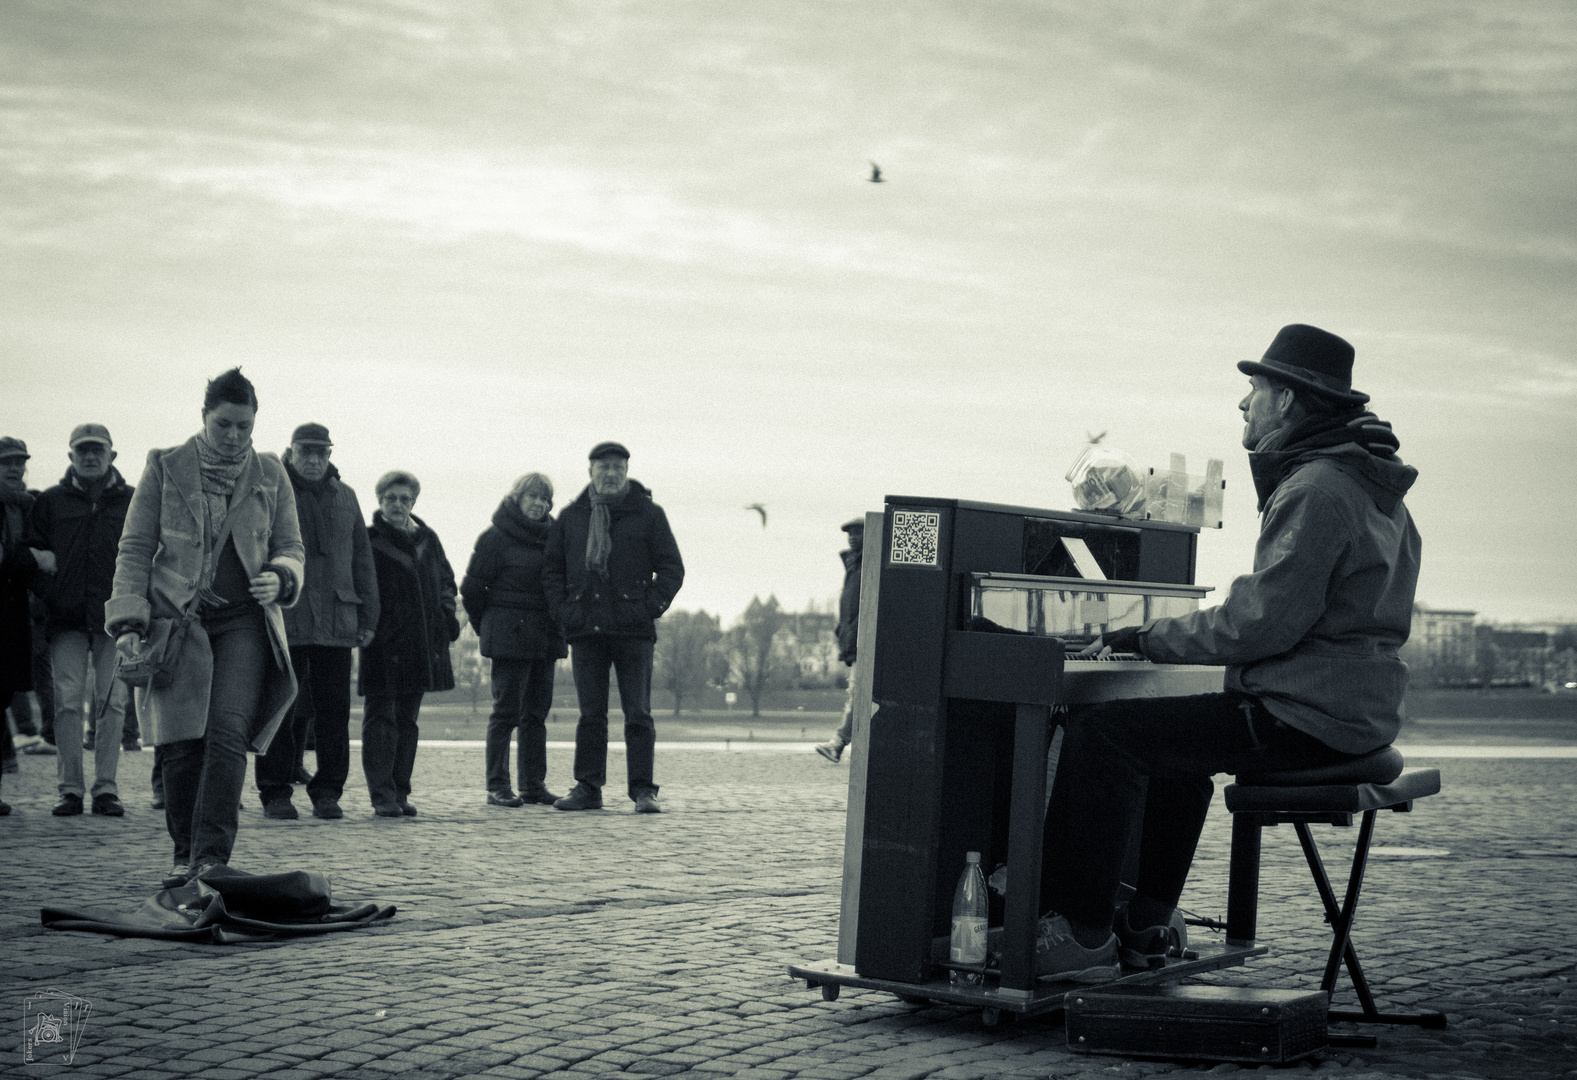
(610, 569)
(1309, 640)
(847, 631)
(337, 611)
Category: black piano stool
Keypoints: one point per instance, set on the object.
(1328, 795)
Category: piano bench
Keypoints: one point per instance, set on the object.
(1328, 795)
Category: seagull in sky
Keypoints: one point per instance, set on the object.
(762, 510)
(876, 174)
(1095, 440)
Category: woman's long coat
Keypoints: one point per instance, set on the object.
(156, 575)
(416, 619)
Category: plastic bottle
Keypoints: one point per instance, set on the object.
(970, 912)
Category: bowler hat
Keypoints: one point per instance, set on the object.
(1312, 359)
(12, 447)
(90, 433)
(608, 449)
(311, 435)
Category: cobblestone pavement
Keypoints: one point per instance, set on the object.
(536, 943)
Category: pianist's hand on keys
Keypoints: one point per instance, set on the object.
(1125, 640)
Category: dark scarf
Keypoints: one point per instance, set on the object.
(93, 489)
(19, 497)
(512, 520)
(317, 524)
(1279, 451)
(599, 538)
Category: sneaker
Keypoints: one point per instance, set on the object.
(581, 797)
(646, 803)
(407, 809)
(1145, 948)
(68, 805)
(504, 798)
(387, 811)
(280, 809)
(1060, 958)
(108, 805)
(157, 803)
(133, 747)
(204, 868)
(88, 741)
(832, 751)
(301, 776)
(327, 809)
(40, 747)
(542, 797)
(178, 875)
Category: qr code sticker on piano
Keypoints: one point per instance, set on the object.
(915, 536)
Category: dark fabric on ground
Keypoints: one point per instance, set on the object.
(228, 906)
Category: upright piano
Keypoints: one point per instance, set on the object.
(971, 617)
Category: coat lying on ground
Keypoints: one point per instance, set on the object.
(644, 569)
(227, 906)
(84, 534)
(409, 653)
(340, 596)
(157, 571)
(503, 593)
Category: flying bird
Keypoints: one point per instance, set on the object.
(876, 174)
(762, 510)
(1095, 440)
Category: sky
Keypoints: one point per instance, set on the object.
(474, 239)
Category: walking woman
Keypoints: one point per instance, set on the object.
(212, 523)
(503, 597)
(409, 654)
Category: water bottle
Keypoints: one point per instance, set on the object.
(970, 912)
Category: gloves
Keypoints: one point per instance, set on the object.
(1125, 639)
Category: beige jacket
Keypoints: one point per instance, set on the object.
(156, 575)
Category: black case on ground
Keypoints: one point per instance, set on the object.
(1211, 1023)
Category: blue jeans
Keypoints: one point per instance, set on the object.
(203, 777)
(388, 747)
(631, 661)
(522, 698)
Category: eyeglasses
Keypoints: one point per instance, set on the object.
(399, 500)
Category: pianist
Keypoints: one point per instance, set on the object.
(1309, 640)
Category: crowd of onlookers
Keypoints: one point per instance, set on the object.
(210, 611)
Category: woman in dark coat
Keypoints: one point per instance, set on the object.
(409, 654)
(503, 596)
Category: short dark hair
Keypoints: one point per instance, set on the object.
(230, 388)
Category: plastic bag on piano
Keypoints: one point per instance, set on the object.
(1108, 480)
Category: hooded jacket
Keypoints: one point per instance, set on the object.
(339, 598)
(502, 591)
(84, 533)
(644, 569)
(1313, 631)
(409, 653)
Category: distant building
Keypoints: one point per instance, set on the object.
(1444, 644)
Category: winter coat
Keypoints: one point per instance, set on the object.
(340, 597)
(1313, 632)
(848, 627)
(84, 535)
(502, 590)
(644, 569)
(160, 560)
(18, 570)
(409, 653)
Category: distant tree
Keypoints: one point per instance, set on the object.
(685, 657)
(757, 657)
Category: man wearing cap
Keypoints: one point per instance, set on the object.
(337, 611)
(848, 630)
(21, 564)
(610, 569)
(1309, 640)
(80, 520)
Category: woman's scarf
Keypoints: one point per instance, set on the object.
(317, 524)
(1279, 451)
(219, 472)
(599, 538)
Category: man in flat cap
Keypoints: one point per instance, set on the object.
(611, 568)
(337, 612)
(1309, 640)
(847, 631)
(22, 563)
(80, 520)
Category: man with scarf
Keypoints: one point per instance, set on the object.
(1309, 640)
(338, 611)
(611, 568)
(80, 519)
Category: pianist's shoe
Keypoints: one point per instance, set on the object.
(1060, 958)
(1145, 948)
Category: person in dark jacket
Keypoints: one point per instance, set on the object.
(612, 567)
(847, 631)
(21, 563)
(80, 519)
(503, 596)
(409, 653)
(337, 611)
(1309, 640)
